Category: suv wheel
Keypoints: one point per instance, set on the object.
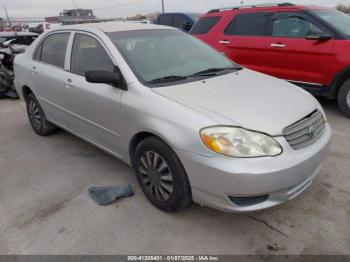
(161, 175)
(344, 98)
(37, 117)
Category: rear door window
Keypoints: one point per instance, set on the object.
(53, 49)
(204, 25)
(250, 24)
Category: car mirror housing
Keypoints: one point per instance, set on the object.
(106, 77)
(187, 26)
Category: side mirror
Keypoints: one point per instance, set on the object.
(106, 77)
(319, 37)
(187, 26)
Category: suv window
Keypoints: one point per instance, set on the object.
(251, 24)
(89, 54)
(292, 25)
(204, 25)
(166, 20)
(53, 49)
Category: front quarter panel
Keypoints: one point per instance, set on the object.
(145, 111)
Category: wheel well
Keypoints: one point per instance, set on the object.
(137, 140)
(26, 91)
(345, 75)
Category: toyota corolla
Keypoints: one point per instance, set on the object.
(194, 125)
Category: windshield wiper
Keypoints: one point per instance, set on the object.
(214, 70)
(166, 79)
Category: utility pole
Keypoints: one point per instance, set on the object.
(7, 16)
(75, 4)
(163, 6)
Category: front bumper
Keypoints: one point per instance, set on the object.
(215, 179)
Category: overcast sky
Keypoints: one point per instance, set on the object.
(123, 8)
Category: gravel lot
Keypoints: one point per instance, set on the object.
(45, 208)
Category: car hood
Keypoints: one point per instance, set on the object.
(246, 98)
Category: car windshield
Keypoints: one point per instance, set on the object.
(337, 19)
(164, 56)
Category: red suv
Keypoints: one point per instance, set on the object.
(305, 45)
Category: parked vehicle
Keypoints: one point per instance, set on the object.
(183, 21)
(305, 45)
(194, 125)
(11, 44)
(39, 28)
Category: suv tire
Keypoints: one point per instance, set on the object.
(344, 98)
(37, 117)
(161, 175)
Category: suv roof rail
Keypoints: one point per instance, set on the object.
(249, 6)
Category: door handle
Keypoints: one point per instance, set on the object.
(69, 84)
(224, 42)
(34, 72)
(278, 45)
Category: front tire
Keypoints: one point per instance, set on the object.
(37, 117)
(344, 98)
(161, 175)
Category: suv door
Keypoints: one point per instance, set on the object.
(294, 57)
(48, 76)
(96, 108)
(243, 40)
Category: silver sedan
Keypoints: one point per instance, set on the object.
(194, 125)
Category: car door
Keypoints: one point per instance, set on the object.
(294, 51)
(48, 72)
(96, 108)
(242, 39)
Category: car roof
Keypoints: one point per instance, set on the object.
(181, 13)
(266, 7)
(110, 27)
(10, 34)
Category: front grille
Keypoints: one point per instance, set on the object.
(306, 131)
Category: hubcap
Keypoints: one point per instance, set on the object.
(34, 115)
(348, 99)
(156, 176)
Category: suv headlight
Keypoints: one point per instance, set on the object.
(239, 142)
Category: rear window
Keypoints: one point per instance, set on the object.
(252, 24)
(166, 20)
(204, 25)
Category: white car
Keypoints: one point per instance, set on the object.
(193, 124)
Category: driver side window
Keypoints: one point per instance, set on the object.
(88, 54)
(292, 25)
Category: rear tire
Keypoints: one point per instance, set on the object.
(37, 117)
(344, 98)
(161, 175)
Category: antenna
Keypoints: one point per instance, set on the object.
(75, 4)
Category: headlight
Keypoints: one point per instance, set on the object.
(239, 142)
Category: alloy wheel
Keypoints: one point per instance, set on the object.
(34, 115)
(156, 176)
